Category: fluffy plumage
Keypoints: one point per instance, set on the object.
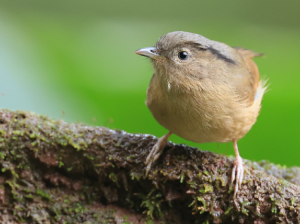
(212, 95)
(205, 98)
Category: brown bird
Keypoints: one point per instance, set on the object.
(203, 91)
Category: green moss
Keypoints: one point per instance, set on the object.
(43, 194)
(125, 217)
(228, 210)
(60, 164)
(129, 157)
(274, 208)
(205, 188)
(293, 199)
(152, 203)
(114, 178)
(182, 177)
(63, 170)
(204, 204)
(243, 207)
(222, 180)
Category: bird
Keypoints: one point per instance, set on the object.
(203, 91)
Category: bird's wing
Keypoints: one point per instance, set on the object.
(252, 67)
(248, 55)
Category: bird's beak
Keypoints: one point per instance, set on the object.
(149, 52)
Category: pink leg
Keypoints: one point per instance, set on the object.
(238, 169)
(156, 151)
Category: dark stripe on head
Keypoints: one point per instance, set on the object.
(221, 56)
(215, 52)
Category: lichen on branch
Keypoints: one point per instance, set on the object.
(58, 172)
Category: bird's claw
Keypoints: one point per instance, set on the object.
(156, 151)
(153, 156)
(237, 174)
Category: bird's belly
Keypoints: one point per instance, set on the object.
(199, 125)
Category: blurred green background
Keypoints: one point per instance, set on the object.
(74, 60)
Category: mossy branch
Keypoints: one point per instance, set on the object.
(56, 172)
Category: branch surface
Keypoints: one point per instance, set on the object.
(58, 172)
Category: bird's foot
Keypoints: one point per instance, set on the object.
(237, 173)
(156, 151)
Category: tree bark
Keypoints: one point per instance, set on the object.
(58, 172)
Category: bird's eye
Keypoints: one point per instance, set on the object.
(183, 55)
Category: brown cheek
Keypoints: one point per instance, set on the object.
(195, 70)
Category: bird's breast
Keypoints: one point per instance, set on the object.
(198, 113)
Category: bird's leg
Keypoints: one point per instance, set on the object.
(238, 169)
(156, 151)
